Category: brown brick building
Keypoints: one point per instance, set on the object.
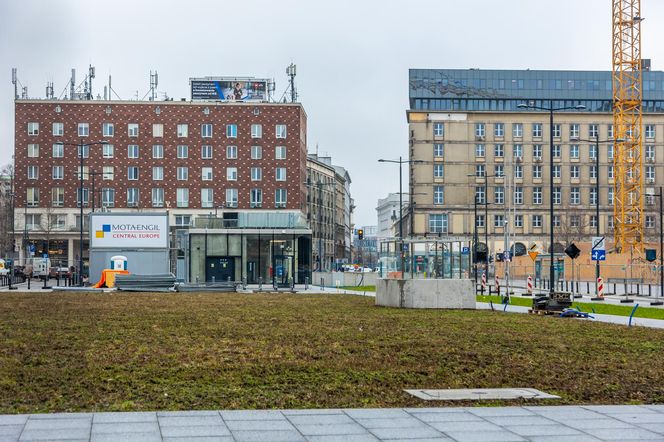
(190, 158)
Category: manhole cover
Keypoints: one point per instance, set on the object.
(476, 394)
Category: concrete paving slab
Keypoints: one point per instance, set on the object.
(376, 413)
(436, 410)
(344, 438)
(520, 420)
(55, 424)
(574, 413)
(313, 411)
(268, 425)
(330, 430)
(542, 430)
(200, 439)
(500, 411)
(571, 438)
(189, 421)
(640, 418)
(126, 427)
(485, 436)
(587, 424)
(399, 422)
(447, 427)
(478, 394)
(406, 433)
(187, 413)
(56, 434)
(61, 416)
(320, 419)
(447, 417)
(248, 415)
(11, 430)
(623, 434)
(126, 437)
(657, 428)
(195, 431)
(13, 419)
(267, 436)
(105, 418)
(618, 409)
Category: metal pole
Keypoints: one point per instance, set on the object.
(486, 224)
(80, 245)
(320, 228)
(474, 239)
(552, 269)
(403, 258)
(597, 272)
(661, 245)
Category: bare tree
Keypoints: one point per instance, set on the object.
(6, 212)
(574, 225)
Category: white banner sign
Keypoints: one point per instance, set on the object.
(129, 231)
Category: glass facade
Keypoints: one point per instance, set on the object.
(276, 257)
(503, 90)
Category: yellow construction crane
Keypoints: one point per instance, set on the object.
(627, 126)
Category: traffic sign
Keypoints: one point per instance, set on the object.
(533, 254)
(599, 243)
(465, 250)
(598, 255)
(507, 256)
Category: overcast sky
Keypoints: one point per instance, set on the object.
(352, 56)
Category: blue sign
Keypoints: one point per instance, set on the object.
(405, 247)
(598, 255)
(45, 255)
(465, 251)
(507, 255)
(32, 248)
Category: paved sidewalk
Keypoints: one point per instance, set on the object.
(563, 423)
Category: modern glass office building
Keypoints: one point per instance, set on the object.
(503, 90)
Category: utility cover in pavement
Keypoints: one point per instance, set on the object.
(478, 394)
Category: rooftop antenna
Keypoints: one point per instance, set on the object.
(271, 86)
(291, 71)
(154, 82)
(24, 92)
(91, 75)
(49, 90)
(72, 84)
(15, 83)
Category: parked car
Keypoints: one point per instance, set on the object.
(61, 272)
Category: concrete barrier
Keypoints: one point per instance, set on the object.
(426, 293)
(350, 279)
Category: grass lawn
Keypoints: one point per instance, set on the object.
(606, 309)
(359, 288)
(71, 352)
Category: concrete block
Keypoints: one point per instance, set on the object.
(426, 293)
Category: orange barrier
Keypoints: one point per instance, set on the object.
(108, 278)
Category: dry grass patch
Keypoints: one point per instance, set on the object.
(69, 352)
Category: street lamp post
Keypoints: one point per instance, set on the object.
(551, 110)
(81, 146)
(400, 162)
(597, 142)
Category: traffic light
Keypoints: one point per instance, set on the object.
(651, 255)
(360, 234)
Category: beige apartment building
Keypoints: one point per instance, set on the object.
(470, 142)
